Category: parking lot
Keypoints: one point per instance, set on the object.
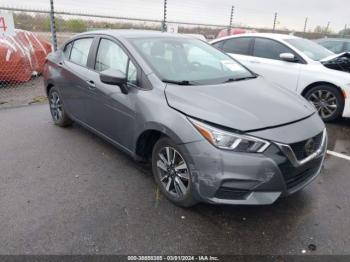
(66, 191)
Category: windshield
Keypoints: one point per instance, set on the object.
(188, 61)
(310, 49)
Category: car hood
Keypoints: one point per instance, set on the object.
(243, 105)
(332, 57)
(340, 62)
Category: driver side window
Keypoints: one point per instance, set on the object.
(270, 49)
(111, 55)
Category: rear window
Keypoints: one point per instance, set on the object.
(80, 51)
(239, 46)
(217, 45)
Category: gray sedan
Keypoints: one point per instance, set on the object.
(214, 131)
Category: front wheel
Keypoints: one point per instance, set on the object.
(172, 174)
(328, 101)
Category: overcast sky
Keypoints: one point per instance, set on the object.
(258, 13)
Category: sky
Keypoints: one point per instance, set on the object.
(254, 13)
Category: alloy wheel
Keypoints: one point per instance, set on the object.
(55, 106)
(325, 102)
(173, 172)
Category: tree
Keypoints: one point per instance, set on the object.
(322, 30)
(74, 25)
(318, 29)
(345, 32)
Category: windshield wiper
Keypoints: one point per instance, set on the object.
(239, 79)
(181, 83)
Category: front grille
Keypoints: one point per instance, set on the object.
(231, 193)
(299, 148)
(294, 176)
(300, 178)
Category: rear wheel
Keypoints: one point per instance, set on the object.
(328, 100)
(172, 173)
(58, 114)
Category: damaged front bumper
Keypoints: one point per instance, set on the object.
(225, 177)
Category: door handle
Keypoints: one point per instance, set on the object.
(60, 64)
(91, 84)
(254, 62)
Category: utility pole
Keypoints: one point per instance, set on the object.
(274, 22)
(53, 25)
(164, 27)
(231, 19)
(327, 28)
(305, 25)
(344, 32)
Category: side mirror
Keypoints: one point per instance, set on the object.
(289, 57)
(114, 77)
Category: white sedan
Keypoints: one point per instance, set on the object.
(297, 64)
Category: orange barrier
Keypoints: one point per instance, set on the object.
(234, 31)
(22, 56)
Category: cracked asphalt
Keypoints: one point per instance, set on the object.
(66, 191)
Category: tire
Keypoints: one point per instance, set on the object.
(328, 100)
(59, 116)
(174, 179)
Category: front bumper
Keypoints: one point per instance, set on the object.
(225, 177)
(346, 112)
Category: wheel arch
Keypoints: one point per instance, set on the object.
(312, 85)
(148, 137)
(340, 110)
(146, 141)
(48, 87)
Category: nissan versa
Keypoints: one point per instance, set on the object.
(214, 131)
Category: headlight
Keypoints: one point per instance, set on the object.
(230, 141)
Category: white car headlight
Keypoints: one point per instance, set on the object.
(230, 141)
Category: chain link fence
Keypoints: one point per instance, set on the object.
(39, 29)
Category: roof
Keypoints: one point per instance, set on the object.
(267, 35)
(131, 33)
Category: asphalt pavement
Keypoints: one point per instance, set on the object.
(66, 191)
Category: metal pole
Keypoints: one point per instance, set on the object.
(164, 27)
(223, 26)
(344, 32)
(327, 28)
(274, 22)
(53, 25)
(231, 19)
(305, 26)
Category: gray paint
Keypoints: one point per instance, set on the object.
(244, 105)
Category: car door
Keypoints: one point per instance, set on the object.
(112, 112)
(266, 61)
(73, 84)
